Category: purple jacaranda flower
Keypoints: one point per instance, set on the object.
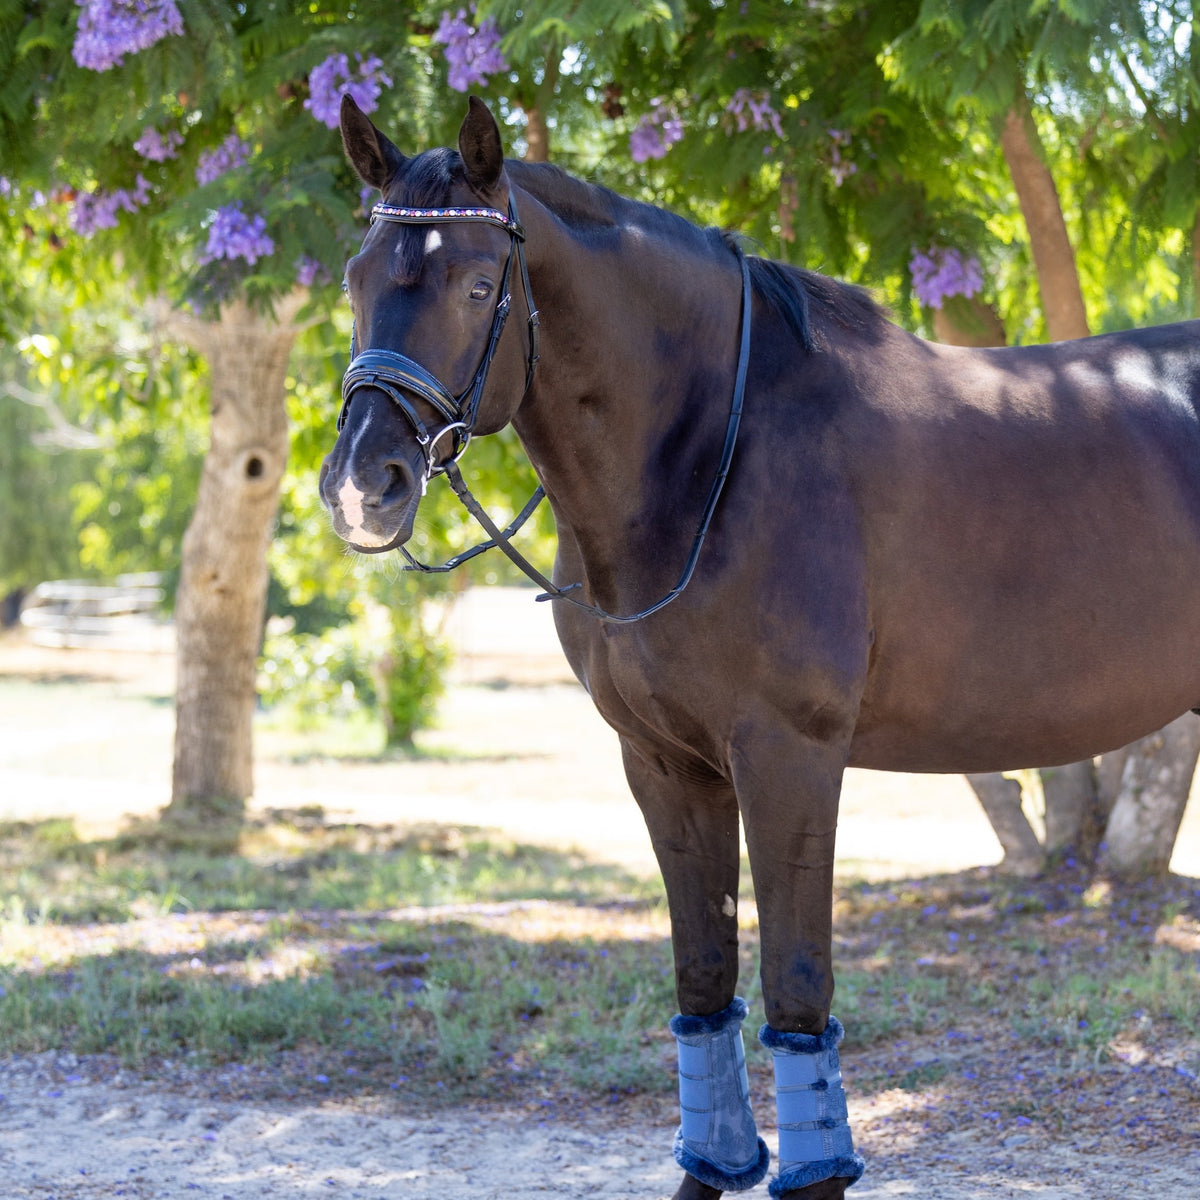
(753, 110)
(309, 270)
(110, 29)
(231, 153)
(839, 168)
(472, 54)
(99, 210)
(656, 132)
(645, 142)
(233, 234)
(331, 78)
(158, 147)
(942, 272)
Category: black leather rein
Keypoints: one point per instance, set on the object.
(394, 374)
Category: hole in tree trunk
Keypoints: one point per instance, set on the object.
(254, 466)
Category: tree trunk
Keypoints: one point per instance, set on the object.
(1001, 800)
(968, 321)
(1053, 255)
(537, 135)
(538, 101)
(1073, 821)
(223, 583)
(1149, 808)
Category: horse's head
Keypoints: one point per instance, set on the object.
(430, 291)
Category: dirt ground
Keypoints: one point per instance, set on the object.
(66, 1137)
(531, 758)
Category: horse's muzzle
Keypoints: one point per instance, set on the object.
(373, 514)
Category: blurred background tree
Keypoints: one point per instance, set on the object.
(176, 211)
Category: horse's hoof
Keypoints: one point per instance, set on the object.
(827, 1189)
(692, 1189)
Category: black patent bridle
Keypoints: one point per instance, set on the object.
(394, 374)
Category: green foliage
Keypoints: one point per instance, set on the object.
(37, 534)
(316, 675)
(387, 662)
(103, 419)
(408, 670)
(886, 143)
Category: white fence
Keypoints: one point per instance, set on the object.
(122, 615)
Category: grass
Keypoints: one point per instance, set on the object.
(288, 860)
(289, 953)
(315, 955)
(1042, 957)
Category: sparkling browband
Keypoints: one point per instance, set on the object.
(431, 216)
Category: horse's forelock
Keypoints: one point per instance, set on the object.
(425, 183)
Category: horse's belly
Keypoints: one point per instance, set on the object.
(997, 688)
(937, 750)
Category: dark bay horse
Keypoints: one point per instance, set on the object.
(924, 558)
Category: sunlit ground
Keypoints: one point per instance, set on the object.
(531, 756)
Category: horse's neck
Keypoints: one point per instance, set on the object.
(627, 416)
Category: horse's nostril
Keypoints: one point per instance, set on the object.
(400, 481)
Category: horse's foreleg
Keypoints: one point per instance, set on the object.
(692, 817)
(789, 802)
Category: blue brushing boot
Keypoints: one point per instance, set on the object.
(717, 1142)
(815, 1142)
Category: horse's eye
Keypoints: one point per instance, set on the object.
(481, 290)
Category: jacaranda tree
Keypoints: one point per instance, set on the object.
(191, 146)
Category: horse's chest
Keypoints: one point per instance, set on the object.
(650, 685)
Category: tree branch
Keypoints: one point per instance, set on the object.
(1141, 93)
(62, 434)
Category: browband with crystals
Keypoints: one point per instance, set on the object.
(431, 216)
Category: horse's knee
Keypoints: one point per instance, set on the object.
(705, 981)
(797, 983)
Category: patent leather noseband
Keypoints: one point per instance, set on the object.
(396, 374)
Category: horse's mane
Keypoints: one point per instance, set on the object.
(795, 295)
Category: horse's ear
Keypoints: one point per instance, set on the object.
(374, 158)
(479, 145)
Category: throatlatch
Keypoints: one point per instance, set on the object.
(717, 1141)
(815, 1141)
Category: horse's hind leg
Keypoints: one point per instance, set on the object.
(788, 787)
(692, 817)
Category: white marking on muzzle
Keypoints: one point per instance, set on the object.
(350, 498)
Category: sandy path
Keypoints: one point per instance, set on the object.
(64, 1138)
